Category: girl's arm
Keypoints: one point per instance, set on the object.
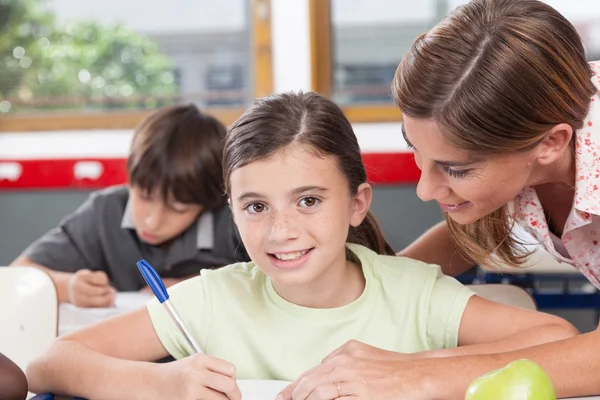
(487, 327)
(115, 359)
(82, 363)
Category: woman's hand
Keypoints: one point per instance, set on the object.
(358, 349)
(344, 376)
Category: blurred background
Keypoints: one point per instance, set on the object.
(76, 76)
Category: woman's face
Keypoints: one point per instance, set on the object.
(466, 186)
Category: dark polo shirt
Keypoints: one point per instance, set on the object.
(100, 235)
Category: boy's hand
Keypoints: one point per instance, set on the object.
(91, 289)
(197, 377)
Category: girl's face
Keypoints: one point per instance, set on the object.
(293, 211)
(467, 187)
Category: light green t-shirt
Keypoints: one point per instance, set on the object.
(235, 314)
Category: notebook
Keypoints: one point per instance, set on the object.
(261, 390)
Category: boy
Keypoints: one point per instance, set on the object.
(173, 213)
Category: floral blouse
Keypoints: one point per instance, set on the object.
(581, 235)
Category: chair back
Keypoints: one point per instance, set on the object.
(29, 313)
(505, 294)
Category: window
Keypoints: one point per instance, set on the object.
(358, 44)
(225, 81)
(77, 60)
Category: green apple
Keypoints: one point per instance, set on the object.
(519, 380)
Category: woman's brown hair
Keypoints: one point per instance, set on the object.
(278, 121)
(496, 76)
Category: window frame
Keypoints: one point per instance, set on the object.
(321, 63)
(262, 73)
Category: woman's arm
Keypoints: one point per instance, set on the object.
(572, 364)
(435, 247)
(114, 359)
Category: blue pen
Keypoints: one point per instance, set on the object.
(159, 290)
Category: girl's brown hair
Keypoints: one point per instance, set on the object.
(496, 75)
(278, 121)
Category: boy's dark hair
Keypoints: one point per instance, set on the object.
(275, 122)
(178, 151)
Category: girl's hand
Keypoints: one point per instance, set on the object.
(197, 377)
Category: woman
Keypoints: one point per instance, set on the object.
(503, 113)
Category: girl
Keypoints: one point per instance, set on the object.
(322, 274)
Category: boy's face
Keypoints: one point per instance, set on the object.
(157, 221)
(293, 211)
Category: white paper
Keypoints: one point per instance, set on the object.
(261, 390)
(72, 318)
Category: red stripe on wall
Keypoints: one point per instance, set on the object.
(391, 168)
(96, 173)
(62, 174)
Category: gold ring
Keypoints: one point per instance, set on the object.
(337, 385)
